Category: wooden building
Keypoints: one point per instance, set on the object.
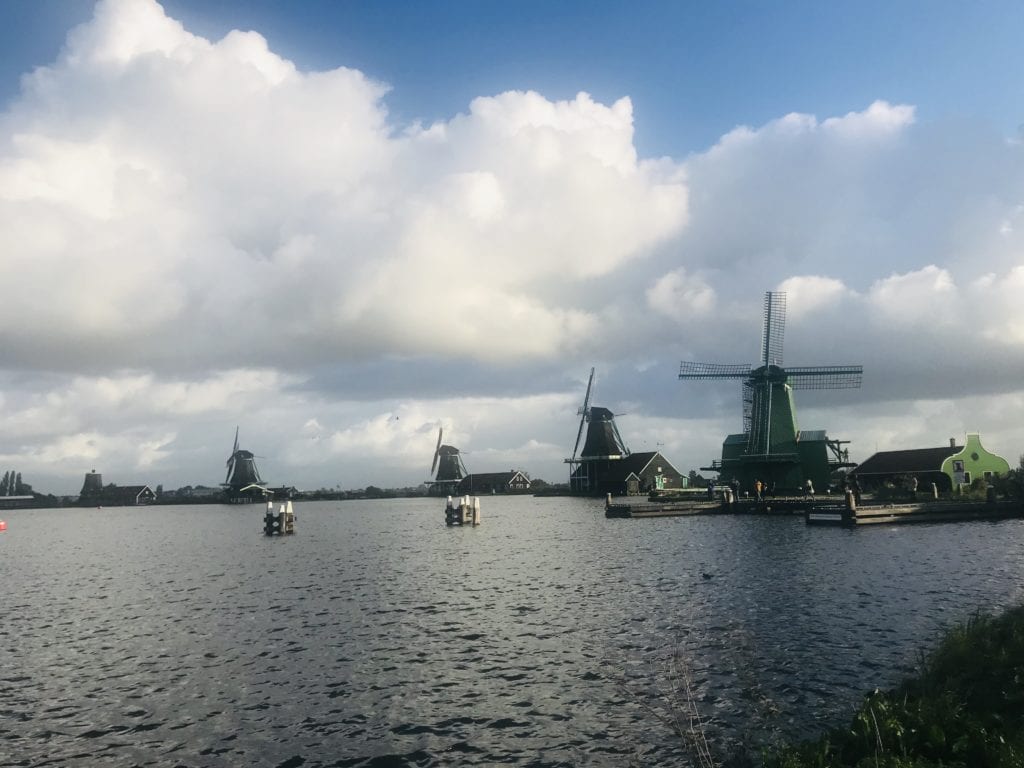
(636, 473)
(512, 481)
(948, 466)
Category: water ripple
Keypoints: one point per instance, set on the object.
(549, 636)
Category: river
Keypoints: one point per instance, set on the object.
(376, 636)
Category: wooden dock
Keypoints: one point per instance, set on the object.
(675, 506)
(851, 514)
(663, 509)
(819, 510)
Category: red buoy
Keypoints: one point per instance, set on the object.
(3, 525)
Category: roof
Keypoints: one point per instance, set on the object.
(494, 477)
(636, 463)
(900, 462)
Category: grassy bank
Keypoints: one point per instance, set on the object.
(965, 708)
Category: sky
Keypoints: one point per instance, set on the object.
(341, 226)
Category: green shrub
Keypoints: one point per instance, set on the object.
(964, 710)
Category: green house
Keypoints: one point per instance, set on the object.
(972, 462)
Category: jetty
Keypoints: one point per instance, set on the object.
(851, 513)
(817, 510)
(671, 506)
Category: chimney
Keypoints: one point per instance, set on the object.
(952, 442)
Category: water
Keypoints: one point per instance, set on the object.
(376, 636)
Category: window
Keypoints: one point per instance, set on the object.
(967, 478)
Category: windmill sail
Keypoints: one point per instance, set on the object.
(584, 413)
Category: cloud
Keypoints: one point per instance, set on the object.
(160, 186)
(198, 234)
(681, 296)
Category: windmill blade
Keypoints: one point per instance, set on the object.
(748, 406)
(586, 398)
(437, 450)
(583, 412)
(774, 328)
(826, 377)
(689, 370)
(233, 450)
(618, 438)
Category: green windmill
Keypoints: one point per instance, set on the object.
(772, 448)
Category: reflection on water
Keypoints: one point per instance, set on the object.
(376, 636)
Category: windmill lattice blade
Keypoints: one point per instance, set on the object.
(586, 398)
(748, 406)
(583, 413)
(689, 370)
(437, 450)
(774, 328)
(826, 377)
(579, 434)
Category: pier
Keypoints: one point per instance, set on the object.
(692, 504)
(820, 510)
(851, 513)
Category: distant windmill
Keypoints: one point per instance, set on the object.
(602, 445)
(242, 472)
(449, 467)
(772, 448)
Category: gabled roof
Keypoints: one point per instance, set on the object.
(494, 477)
(902, 462)
(635, 463)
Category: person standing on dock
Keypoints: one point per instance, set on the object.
(758, 489)
(913, 488)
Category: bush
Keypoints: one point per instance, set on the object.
(965, 709)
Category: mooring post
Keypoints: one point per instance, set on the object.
(268, 519)
(476, 510)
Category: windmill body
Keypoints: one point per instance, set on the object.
(772, 448)
(243, 483)
(606, 465)
(449, 469)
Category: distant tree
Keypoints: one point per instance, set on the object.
(19, 488)
(160, 490)
(1012, 483)
(4, 484)
(696, 480)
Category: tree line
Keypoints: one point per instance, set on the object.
(11, 485)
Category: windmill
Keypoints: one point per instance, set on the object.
(242, 472)
(603, 444)
(449, 467)
(772, 448)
